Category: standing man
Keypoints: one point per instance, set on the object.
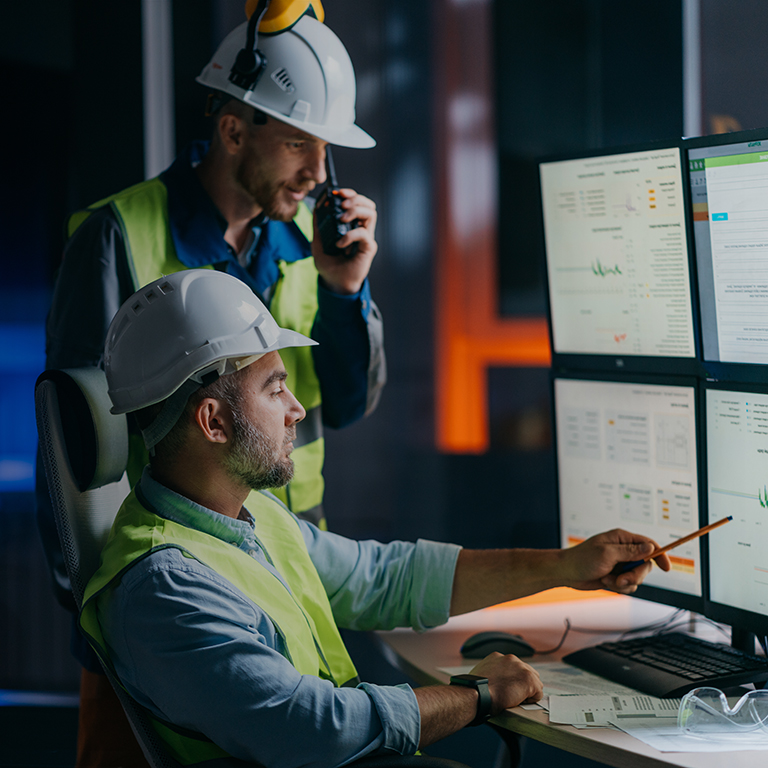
(237, 205)
(218, 610)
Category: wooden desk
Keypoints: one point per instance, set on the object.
(420, 656)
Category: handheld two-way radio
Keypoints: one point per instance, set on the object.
(329, 213)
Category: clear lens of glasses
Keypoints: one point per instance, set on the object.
(705, 713)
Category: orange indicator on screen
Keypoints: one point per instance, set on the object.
(684, 564)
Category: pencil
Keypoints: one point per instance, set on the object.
(689, 537)
(624, 567)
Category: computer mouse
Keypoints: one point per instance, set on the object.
(478, 646)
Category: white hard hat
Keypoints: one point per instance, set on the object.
(308, 82)
(181, 332)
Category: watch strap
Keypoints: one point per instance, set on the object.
(484, 702)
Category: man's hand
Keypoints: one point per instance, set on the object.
(346, 275)
(591, 564)
(447, 708)
(510, 681)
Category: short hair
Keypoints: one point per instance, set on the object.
(227, 388)
(221, 103)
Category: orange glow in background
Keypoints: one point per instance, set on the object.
(470, 334)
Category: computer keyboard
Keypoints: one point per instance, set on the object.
(670, 664)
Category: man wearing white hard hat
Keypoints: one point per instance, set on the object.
(218, 609)
(281, 88)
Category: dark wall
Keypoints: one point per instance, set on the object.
(735, 65)
(574, 75)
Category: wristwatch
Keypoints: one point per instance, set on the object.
(480, 684)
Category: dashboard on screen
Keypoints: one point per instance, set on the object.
(729, 196)
(737, 484)
(616, 245)
(627, 458)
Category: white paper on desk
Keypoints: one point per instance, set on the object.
(602, 710)
(667, 738)
(559, 678)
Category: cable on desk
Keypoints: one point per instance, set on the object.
(656, 625)
(668, 624)
(560, 644)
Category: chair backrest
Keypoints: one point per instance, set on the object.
(84, 449)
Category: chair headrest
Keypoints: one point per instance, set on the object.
(96, 440)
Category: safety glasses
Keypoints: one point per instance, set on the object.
(705, 713)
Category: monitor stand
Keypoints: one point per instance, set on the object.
(743, 640)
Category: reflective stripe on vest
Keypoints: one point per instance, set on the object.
(142, 213)
(302, 617)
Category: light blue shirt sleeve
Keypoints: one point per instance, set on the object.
(382, 586)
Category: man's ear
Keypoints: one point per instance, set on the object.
(214, 419)
(232, 132)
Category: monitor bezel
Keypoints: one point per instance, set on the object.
(633, 364)
(739, 618)
(717, 369)
(682, 600)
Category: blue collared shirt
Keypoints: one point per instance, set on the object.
(343, 357)
(197, 652)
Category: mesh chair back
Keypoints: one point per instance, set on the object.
(85, 451)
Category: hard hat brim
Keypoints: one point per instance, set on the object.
(351, 136)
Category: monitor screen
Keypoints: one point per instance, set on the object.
(626, 458)
(737, 484)
(617, 255)
(729, 196)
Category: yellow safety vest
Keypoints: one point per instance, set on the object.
(142, 214)
(302, 617)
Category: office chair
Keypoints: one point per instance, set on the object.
(84, 450)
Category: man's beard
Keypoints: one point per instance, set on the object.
(265, 192)
(254, 459)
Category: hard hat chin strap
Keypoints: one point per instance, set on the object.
(169, 415)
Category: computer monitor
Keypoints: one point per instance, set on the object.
(627, 458)
(736, 424)
(617, 255)
(729, 196)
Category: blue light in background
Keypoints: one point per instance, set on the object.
(22, 359)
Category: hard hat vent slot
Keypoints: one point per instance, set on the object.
(150, 296)
(283, 80)
(165, 288)
(137, 307)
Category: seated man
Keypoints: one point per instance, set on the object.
(219, 610)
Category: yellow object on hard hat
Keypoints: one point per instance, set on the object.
(283, 14)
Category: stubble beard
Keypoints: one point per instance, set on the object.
(254, 459)
(264, 191)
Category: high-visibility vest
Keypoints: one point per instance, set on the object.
(142, 214)
(302, 616)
